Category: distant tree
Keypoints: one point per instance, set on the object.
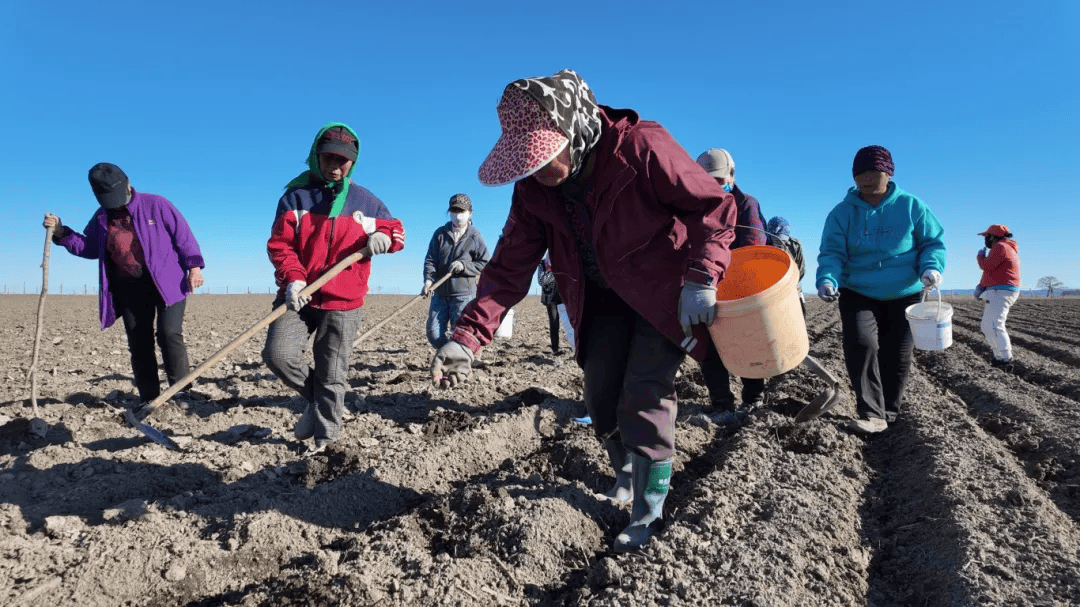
(1050, 283)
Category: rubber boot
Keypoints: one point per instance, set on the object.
(623, 491)
(650, 490)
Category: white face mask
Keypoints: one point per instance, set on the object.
(460, 219)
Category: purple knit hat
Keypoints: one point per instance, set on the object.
(872, 158)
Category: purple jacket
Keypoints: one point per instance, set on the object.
(168, 245)
(658, 218)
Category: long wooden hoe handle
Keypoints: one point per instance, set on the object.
(146, 410)
(40, 317)
(382, 323)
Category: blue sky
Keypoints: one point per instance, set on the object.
(214, 104)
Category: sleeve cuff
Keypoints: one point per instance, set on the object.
(466, 339)
(697, 272)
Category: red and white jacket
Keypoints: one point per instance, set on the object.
(306, 242)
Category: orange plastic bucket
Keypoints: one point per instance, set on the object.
(759, 329)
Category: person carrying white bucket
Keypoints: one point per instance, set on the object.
(880, 247)
(1000, 287)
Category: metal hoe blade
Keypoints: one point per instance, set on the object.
(150, 432)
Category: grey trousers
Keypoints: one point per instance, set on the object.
(325, 384)
(630, 377)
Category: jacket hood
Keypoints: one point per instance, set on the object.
(1011, 244)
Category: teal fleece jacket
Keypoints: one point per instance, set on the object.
(881, 251)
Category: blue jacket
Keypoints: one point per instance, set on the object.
(881, 251)
(470, 250)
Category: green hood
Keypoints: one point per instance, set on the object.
(313, 176)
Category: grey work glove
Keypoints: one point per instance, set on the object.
(697, 304)
(293, 299)
(931, 279)
(979, 291)
(451, 365)
(827, 292)
(457, 267)
(378, 243)
(427, 290)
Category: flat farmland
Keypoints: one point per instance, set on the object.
(484, 494)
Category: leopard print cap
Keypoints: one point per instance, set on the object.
(570, 102)
(540, 117)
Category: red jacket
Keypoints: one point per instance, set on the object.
(1002, 266)
(306, 242)
(658, 218)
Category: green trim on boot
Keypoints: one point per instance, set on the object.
(651, 480)
(623, 490)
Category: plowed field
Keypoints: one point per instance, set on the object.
(483, 495)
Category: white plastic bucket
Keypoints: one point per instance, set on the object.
(506, 328)
(931, 323)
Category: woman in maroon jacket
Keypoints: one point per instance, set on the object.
(639, 235)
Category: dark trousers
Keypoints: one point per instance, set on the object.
(878, 350)
(553, 325)
(138, 302)
(717, 381)
(629, 376)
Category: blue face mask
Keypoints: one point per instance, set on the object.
(728, 187)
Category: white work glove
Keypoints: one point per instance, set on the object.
(827, 292)
(451, 365)
(293, 299)
(931, 278)
(457, 267)
(427, 290)
(378, 243)
(697, 304)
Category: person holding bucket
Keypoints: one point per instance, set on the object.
(749, 230)
(880, 247)
(456, 248)
(322, 218)
(148, 263)
(1000, 287)
(640, 235)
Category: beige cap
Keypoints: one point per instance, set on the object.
(717, 162)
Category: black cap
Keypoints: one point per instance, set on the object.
(460, 202)
(338, 140)
(110, 185)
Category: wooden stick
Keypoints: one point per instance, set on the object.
(40, 317)
(149, 408)
(382, 323)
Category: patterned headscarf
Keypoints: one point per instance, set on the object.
(570, 102)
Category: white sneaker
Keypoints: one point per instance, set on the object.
(868, 425)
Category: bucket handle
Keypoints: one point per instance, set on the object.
(937, 316)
